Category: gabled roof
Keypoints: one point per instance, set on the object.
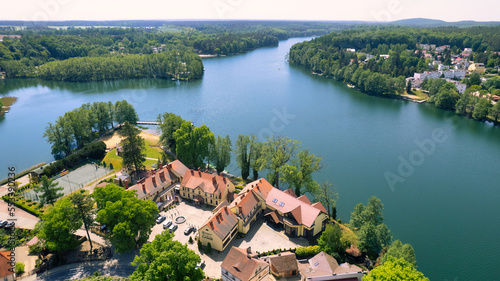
(239, 263)
(284, 262)
(304, 199)
(323, 263)
(285, 203)
(222, 222)
(178, 167)
(292, 193)
(245, 202)
(260, 187)
(320, 207)
(5, 254)
(209, 183)
(156, 181)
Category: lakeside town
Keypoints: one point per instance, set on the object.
(256, 231)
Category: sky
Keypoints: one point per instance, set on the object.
(363, 10)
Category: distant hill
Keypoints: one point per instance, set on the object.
(415, 22)
(421, 22)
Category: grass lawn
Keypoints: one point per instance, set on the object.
(112, 158)
(153, 152)
(417, 95)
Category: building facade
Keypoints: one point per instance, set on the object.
(205, 188)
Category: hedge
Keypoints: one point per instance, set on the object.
(94, 150)
(22, 205)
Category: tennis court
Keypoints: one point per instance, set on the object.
(75, 179)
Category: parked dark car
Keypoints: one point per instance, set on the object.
(10, 224)
(160, 219)
(189, 230)
(3, 223)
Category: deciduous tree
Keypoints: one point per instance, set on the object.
(169, 123)
(193, 144)
(327, 197)
(166, 259)
(220, 153)
(395, 269)
(400, 250)
(298, 173)
(278, 151)
(84, 211)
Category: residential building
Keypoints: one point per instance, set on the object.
(467, 52)
(384, 56)
(6, 267)
(159, 186)
(323, 267)
(351, 50)
(477, 68)
(453, 74)
(427, 75)
(219, 230)
(205, 188)
(243, 265)
(9, 36)
(460, 86)
(283, 264)
(415, 83)
(246, 206)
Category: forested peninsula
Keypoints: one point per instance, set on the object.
(110, 53)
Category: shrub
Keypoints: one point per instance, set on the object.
(36, 248)
(19, 268)
(191, 240)
(307, 251)
(209, 248)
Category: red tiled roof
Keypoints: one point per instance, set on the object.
(324, 263)
(246, 201)
(261, 187)
(304, 199)
(241, 265)
(273, 216)
(209, 183)
(320, 207)
(286, 203)
(178, 167)
(222, 222)
(155, 182)
(292, 193)
(5, 254)
(284, 262)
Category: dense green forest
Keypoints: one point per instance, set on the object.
(176, 64)
(47, 52)
(328, 54)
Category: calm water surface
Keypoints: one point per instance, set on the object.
(445, 204)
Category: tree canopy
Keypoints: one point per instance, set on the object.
(166, 259)
(129, 219)
(220, 153)
(133, 155)
(193, 144)
(49, 191)
(395, 269)
(400, 250)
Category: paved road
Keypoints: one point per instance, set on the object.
(118, 265)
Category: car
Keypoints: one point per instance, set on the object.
(160, 219)
(103, 227)
(201, 264)
(167, 224)
(10, 224)
(172, 228)
(189, 230)
(2, 223)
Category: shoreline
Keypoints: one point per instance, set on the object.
(206, 56)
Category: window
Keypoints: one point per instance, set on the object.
(275, 200)
(282, 204)
(316, 264)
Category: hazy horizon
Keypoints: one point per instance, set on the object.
(314, 10)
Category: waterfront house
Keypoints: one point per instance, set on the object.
(323, 267)
(201, 187)
(283, 264)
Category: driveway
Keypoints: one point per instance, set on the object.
(260, 238)
(22, 218)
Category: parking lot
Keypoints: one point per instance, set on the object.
(261, 237)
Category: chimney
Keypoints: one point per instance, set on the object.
(192, 172)
(214, 181)
(211, 224)
(240, 210)
(126, 184)
(162, 174)
(199, 169)
(226, 210)
(154, 180)
(249, 250)
(169, 167)
(224, 179)
(161, 166)
(144, 188)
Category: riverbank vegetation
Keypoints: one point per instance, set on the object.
(85, 124)
(377, 60)
(169, 52)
